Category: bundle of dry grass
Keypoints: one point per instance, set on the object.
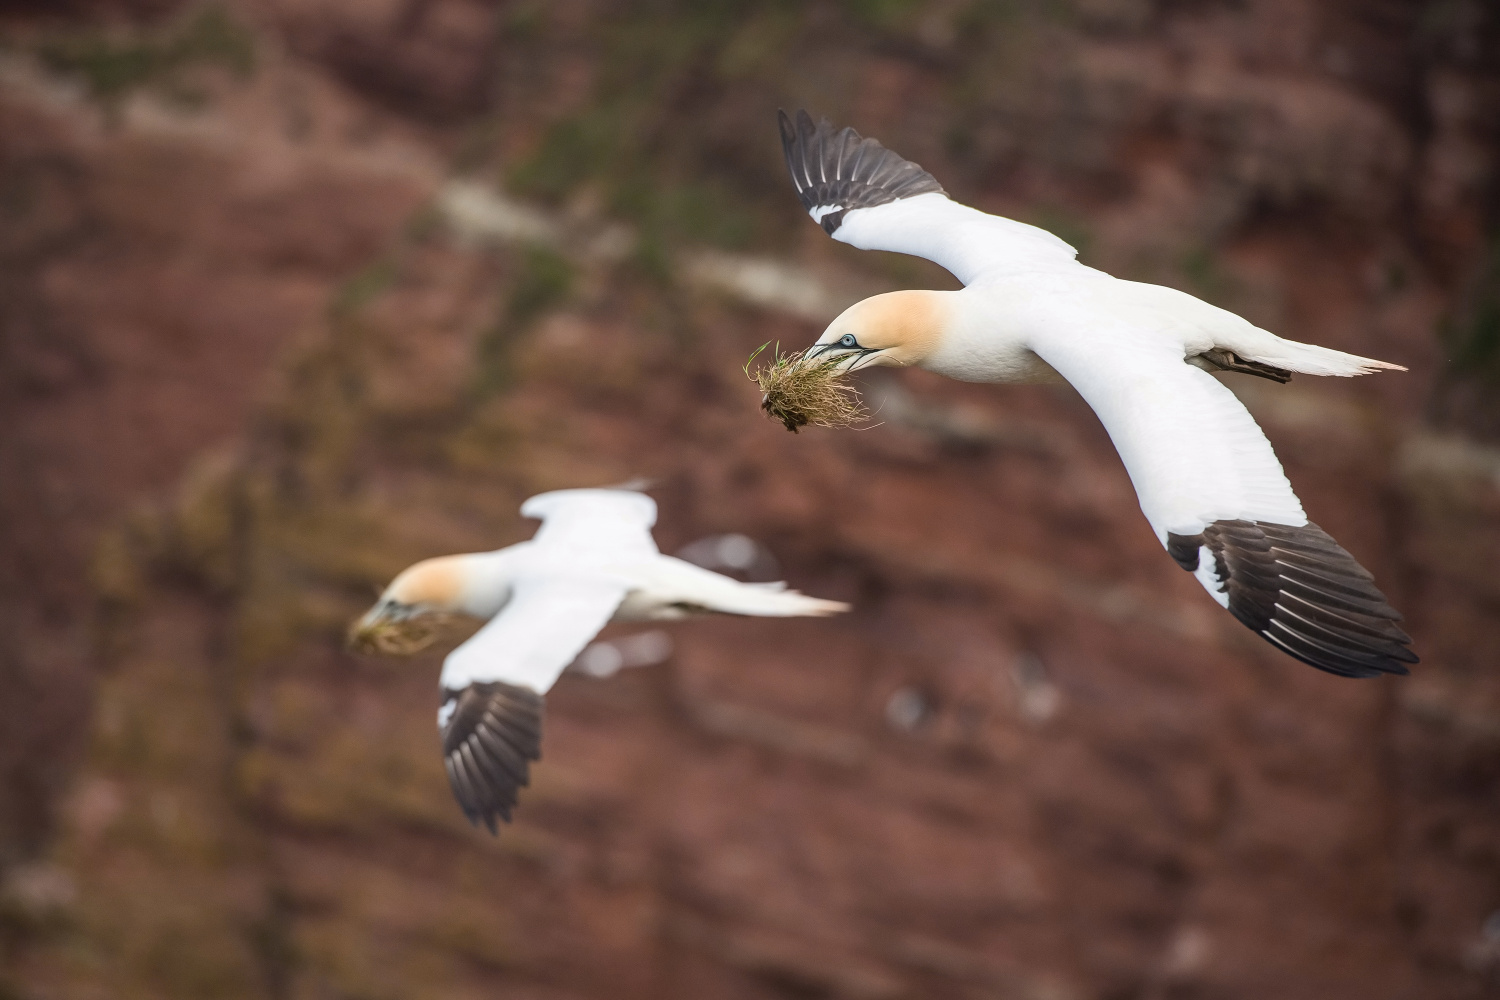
(403, 637)
(799, 392)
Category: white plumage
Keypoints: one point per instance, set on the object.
(1140, 354)
(971, 244)
(1194, 453)
(593, 561)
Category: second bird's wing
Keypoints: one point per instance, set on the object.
(1216, 495)
(867, 196)
(493, 684)
(597, 520)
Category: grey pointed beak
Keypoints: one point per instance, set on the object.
(851, 359)
(381, 611)
(363, 630)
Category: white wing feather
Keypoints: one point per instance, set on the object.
(594, 520)
(1194, 453)
(870, 197)
(544, 627)
(971, 244)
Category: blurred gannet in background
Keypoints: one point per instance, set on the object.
(1139, 354)
(593, 561)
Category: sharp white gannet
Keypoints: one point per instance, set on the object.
(1139, 354)
(593, 561)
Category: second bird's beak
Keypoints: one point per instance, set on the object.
(394, 629)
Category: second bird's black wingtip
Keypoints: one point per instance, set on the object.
(784, 126)
(492, 734)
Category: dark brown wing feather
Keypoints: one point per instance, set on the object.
(838, 167)
(493, 732)
(1299, 590)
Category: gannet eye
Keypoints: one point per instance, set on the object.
(847, 340)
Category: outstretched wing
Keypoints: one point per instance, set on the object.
(1216, 495)
(595, 520)
(865, 195)
(492, 733)
(491, 716)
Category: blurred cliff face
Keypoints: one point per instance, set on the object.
(293, 293)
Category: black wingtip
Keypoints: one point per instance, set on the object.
(1298, 589)
(492, 734)
(838, 170)
(807, 129)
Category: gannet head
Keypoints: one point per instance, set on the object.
(413, 611)
(896, 328)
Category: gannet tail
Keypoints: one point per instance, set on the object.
(1236, 340)
(1310, 359)
(677, 583)
(774, 602)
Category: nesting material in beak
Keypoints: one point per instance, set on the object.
(399, 637)
(799, 392)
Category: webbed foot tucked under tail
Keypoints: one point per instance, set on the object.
(1218, 359)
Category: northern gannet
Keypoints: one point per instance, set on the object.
(1140, 355)
(592, 561)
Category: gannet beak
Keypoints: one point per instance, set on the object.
(363, 632)
(391, 628)
(381, 611)
(855, 358)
